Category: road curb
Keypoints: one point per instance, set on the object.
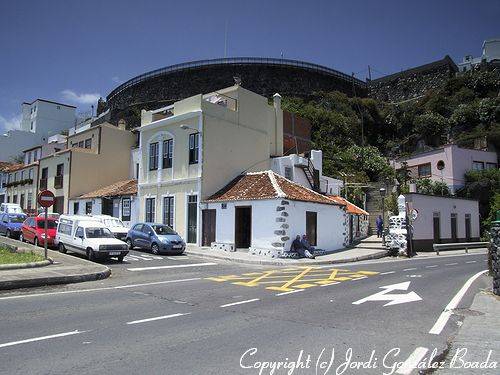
(54, 280)
(17, 266)
(277, 262)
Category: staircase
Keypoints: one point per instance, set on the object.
(374, 205)
(312, 174)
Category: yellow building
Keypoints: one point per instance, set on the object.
(21, 186)
(194, 147)
(95, 157)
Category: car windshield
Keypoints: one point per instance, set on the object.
(161, 230)
(51, 224)
(113, 223)
(15, 210)
(17, 218)
(98, 233)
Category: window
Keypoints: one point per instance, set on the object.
(30, 174)
(491, 165)
(79, 232)
(22, 175)
(138, 227)
(21, 202)
(88, 208)
(35, 155)
(477, 165)
(65, 226)
(150, 210)
(32, 126)
(192, 207)
(126, 209)
(153, 156)
(137, 170)
(168, 211)
(81, 144)
(88, 143)
(167, 153)
(424, 170)
(193, 148)
(58, 181)
(15, 176)
(14, 199)
(29, 205)
(76, 208)
(289, 173)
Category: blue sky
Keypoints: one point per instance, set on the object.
(75, 51)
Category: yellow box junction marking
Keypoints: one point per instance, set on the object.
(289, 279)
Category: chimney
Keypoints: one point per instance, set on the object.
(277, 101)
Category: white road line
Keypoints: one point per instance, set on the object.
(411, 363)
(445, 315)
(409, 269)
(433, 266)
(388, 273)
(471, 261)
(451, 264)
(360, 278)
(76, 332)
(291, 292)
(157, 318)
(167, 267)
(240, 302)
(332, 283)
(99, 289)
(174, 258)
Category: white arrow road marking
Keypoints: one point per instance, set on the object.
(394, 299)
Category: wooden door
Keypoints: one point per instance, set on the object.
(243, 227)
(312, 227)
(209, 221)
(436, 226)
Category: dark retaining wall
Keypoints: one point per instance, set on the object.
(495, 258)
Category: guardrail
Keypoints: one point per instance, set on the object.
(459, 246)
(233, 60)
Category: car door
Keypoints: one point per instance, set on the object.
(146, 238)
(3, 224)
(134, 234)
(32, 230)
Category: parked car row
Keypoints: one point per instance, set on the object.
(95, 236)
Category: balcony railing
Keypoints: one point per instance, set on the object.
(43, 184)
(58, 182)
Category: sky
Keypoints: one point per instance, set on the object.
(76, 51)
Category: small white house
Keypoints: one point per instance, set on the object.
(263, 212)
(357, 220)
(442, 220)
(118, 200)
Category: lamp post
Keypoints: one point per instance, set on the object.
(382, 194)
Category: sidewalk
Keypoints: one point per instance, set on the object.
(478, 335)
(65, 269)
(369, 248)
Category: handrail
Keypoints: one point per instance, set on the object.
(459, 246)
(228, 61)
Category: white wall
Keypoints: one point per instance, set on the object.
(97, 209)
(426, 205)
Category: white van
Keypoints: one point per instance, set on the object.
(87, 235)
(11, 208)
(115, 225)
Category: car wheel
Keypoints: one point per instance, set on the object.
(120, 258)
(130, 244)
(21, 237)
(35, 242)
(155, 249)
(62, 249)
(90, 255)
(8, 234)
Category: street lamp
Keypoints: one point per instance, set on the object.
(382, 194)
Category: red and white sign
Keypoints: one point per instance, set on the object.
(46, 198)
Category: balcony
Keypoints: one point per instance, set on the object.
(58, 182)
(43, 184)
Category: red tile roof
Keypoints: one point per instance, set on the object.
(127, 187)
(4, 165)
(266, 185)
(350, 207)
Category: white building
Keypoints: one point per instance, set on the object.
(263, 212)
(41, 119)
(442, 220)
(490, 54)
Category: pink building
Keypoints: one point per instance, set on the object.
(448, 164)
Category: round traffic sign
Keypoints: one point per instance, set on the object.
(46, 198)
(414, 214)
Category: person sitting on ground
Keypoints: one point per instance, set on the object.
(308, 249)
(296, 245)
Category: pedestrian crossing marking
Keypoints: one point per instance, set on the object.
(290, 279)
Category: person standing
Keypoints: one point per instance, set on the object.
(380, 226)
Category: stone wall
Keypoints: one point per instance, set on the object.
(495, 258)
(412, 83)
(161, 90)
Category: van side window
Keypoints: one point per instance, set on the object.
(79, 232)
(65, 227)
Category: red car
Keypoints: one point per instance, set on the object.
(33, 231)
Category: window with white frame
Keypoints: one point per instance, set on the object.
(289, 173)
(168, 211)
(168, 151)
(150, 210)
(153, 156)
(477, 165)
(126, 209)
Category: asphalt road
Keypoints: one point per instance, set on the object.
(187, 315)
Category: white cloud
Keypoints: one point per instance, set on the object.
(12, 123)
(82, 98)
(116, 79)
